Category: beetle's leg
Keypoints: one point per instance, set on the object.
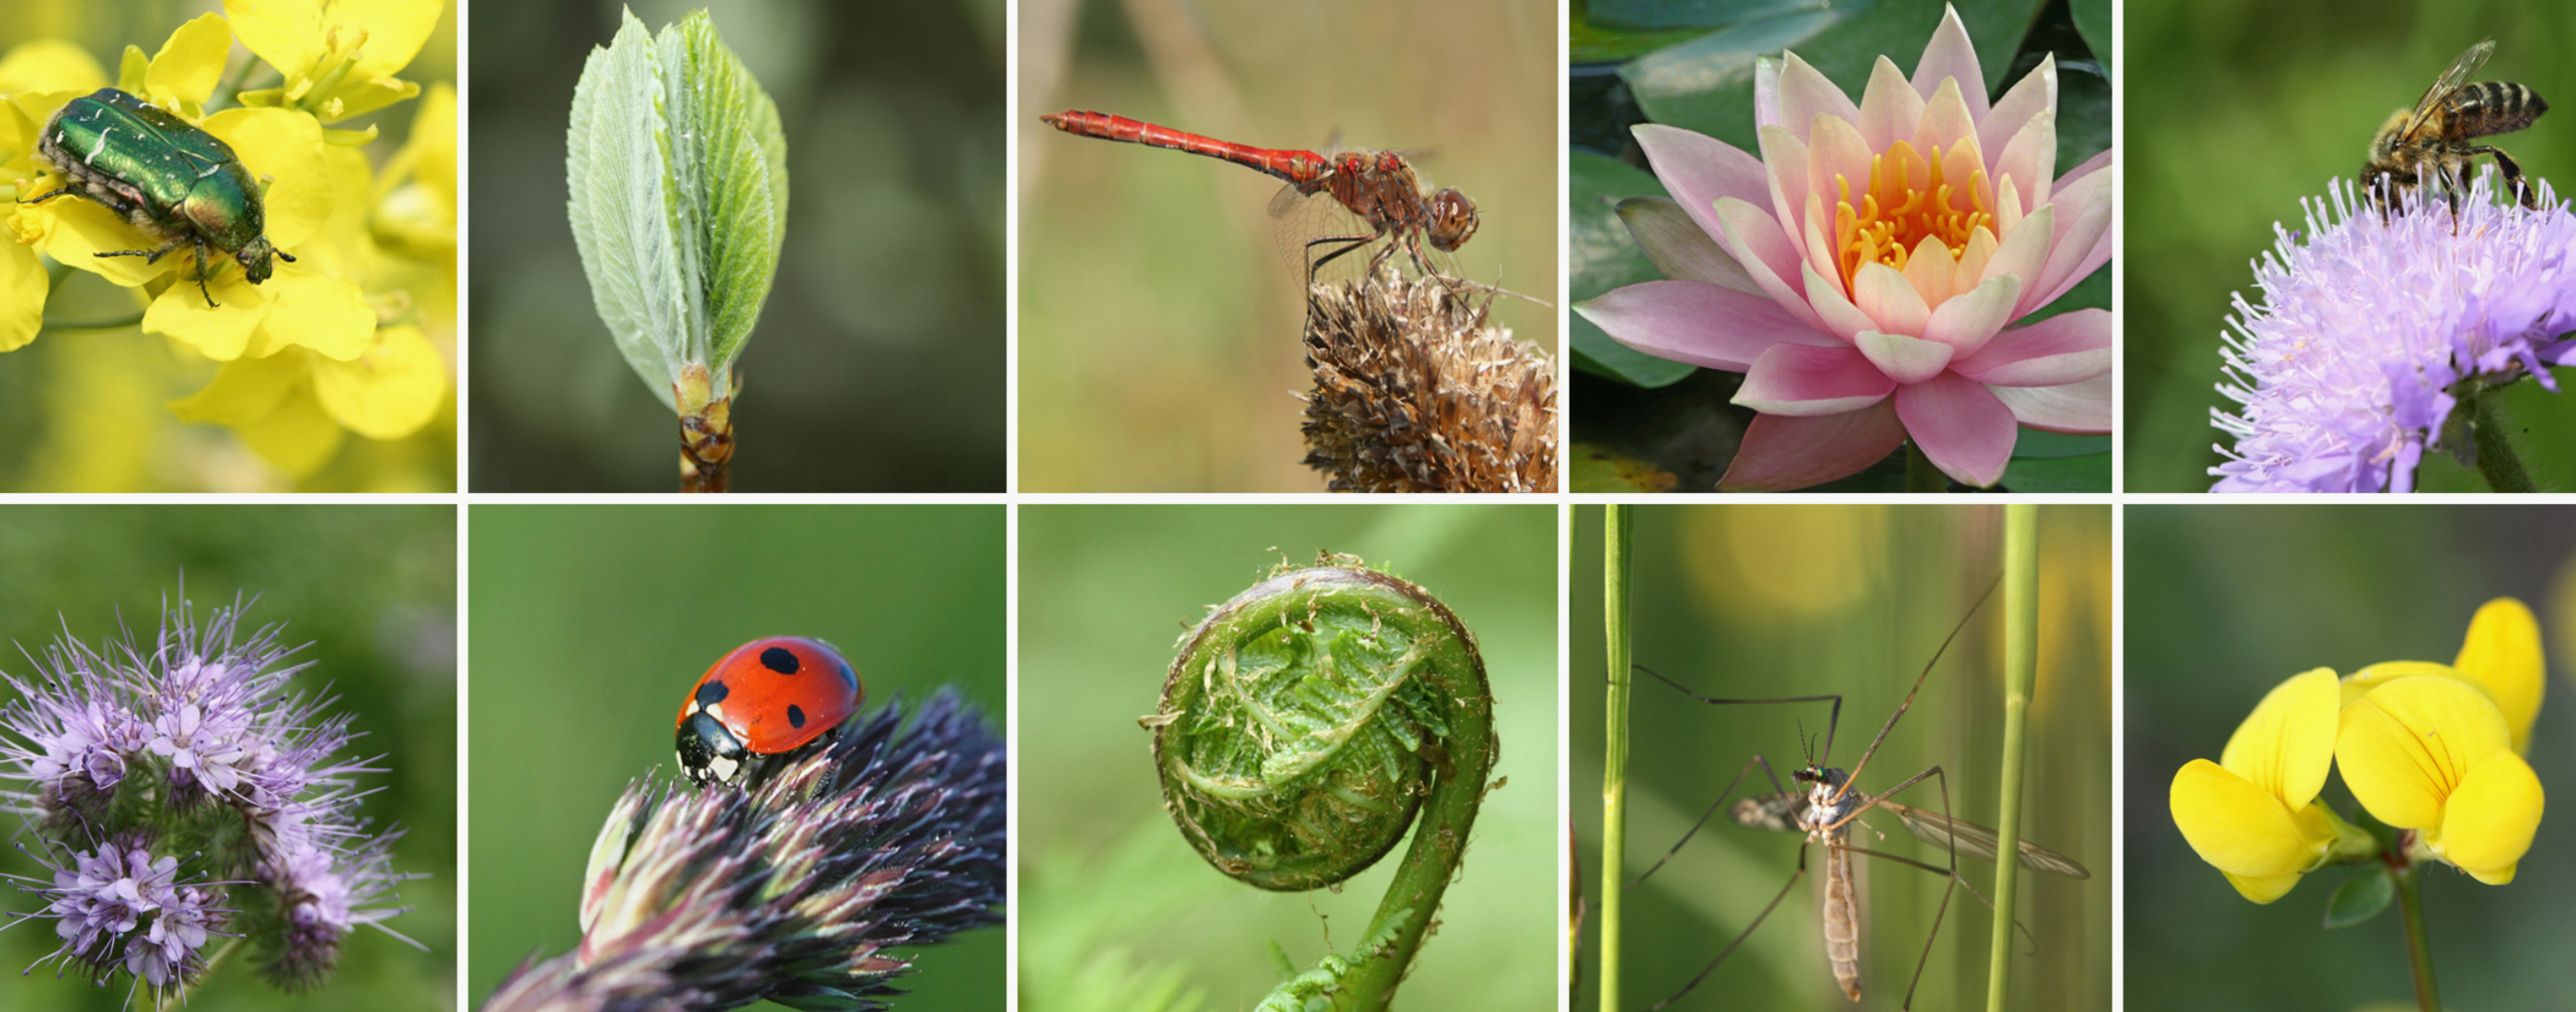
(58, 192)
(205, 267)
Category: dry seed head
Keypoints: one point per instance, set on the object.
(1416, 392)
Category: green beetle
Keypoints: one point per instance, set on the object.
(174, 182)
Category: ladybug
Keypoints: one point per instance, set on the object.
(767, 698)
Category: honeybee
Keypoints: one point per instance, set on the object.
(2430, 144)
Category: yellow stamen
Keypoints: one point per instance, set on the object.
(1895, 213)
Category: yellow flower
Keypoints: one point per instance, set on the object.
(2435, 755)
(38, 66)
(339, 56)
(2253, 815)
(2501, 658)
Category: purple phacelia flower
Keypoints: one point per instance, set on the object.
(2373, 327)
(196, 739)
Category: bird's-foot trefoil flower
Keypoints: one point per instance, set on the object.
(2253, 814)
(2375, 330)
(179, 793)
(1866, 272)
(2434, 755)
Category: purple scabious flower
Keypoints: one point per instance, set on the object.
(805, 889)
(225, 801)
(2373, 327)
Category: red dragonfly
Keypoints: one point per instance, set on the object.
(1378, 187)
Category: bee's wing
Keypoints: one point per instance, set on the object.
(1978, 841)
(2449, 82)
(1776, 812)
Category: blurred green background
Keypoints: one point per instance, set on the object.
(373, 590)
(2240, 110)
(89, 408)
(1760, 601)
(1158, 323)
(1117, 908)
(878, 362)
(1645, 424)
(592, 622)
(2221, 605)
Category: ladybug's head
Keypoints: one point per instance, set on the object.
(708, 752)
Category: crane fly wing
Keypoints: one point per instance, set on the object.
(2449, 82)
(1776, 812)
(1978, 841)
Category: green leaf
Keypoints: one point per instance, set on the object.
(677, 174)
(2090, 472)
(2359, 899)
(1605, 257)
(2093, 21)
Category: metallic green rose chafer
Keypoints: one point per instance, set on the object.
(176, 183)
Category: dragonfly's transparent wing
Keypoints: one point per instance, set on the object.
(1776, 812)
(1978, 841)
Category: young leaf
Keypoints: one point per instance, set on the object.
(2359, 899)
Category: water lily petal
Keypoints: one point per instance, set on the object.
(1932, 270)
(1949, 55)
(1842, 319)
(2030, 157)
(1784, 158)
(1679, 247)
(2488, 824)
(2406, 746)
(2503, 654)
(2236, 825)
(1755, 240)
(1960, 425)
(1947, 123)
(1805, 93)
(2066, 348)
(2079, 408)
(1698, 170)
(1702, 324)
(1820, 251)
(1837, 158)
(2090, 165)
(1766, 92)
(1969, 320)
(2083, 238)
(1782, 453)
(2287, 744)
(1883, 293)
(2034, 94)
(1973, 260)
(1890, 109)
(1904, 359)
(2024, 250)
(1791, 379)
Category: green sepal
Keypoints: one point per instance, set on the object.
(2359, 899)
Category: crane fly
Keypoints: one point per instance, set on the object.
(1825, 808)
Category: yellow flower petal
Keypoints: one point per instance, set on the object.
(297, 437)
(192, 62)
(389, 392)
(2359, 683)
(305, 39)
(2262, 888)
(284, 150)
(2407, 745)
(51, 65)
(2502, 653)
(2240, 828)
(314, 311)
(243, 392)
(2287, 744)
(269, 402)
(23, 287)
(2490, 820)
(220, 331)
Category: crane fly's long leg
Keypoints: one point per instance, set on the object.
(1854, 776)
(1712, 809)
(1957, 878)
(1740, 937)
(1830, 720)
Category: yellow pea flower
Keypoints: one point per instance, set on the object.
(2435, 755)
(2253, 814)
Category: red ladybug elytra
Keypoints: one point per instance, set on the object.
(768, 697)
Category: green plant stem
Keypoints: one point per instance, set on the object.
(2419, 947)
(1618, 529)
(178, 996)
(2497, 462)
(1920, 474)
(2021, 659)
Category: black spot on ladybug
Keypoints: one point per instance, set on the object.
(795, 715)
(779, 659)
(713, 692)
(849, 677)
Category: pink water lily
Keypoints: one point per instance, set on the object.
(1864, 273)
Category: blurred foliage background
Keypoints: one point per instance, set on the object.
(592, 622)
(2241, 111)
(1118, 913)
(1158, 324)
(878, 361)
(2221, 605)
(1645, 424)
(373, 590)
(1765, 601)
(87, 408)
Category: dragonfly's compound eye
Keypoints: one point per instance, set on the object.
(1453, 220)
